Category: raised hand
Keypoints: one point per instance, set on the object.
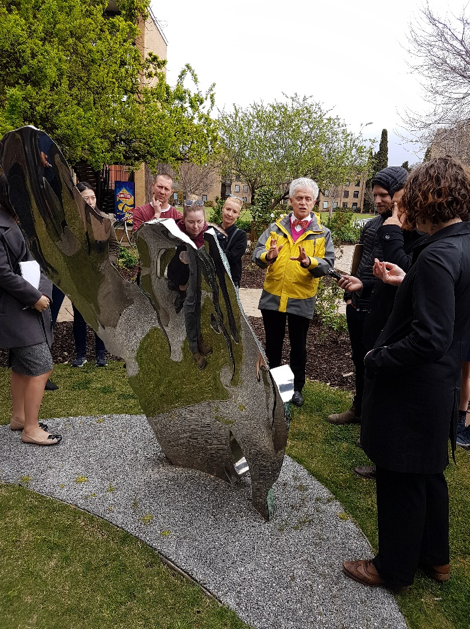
(157, 207)
(303, 258)
(273, 250)
(389, 273)
(396, 218)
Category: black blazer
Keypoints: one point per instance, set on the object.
(20, 324)
(412, 376)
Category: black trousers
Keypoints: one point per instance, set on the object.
(275, 329)
(413, 518)
(355, 321)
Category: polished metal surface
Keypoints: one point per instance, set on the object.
(215, 409)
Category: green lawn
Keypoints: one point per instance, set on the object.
(79, 571)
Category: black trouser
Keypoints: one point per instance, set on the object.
(79, 335)
(413, 518)
(355, 321)
(275, 329)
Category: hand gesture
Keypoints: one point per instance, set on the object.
(350, 283)
(389, 273)
(273, 250)
(157, 207)
(395, 218)
(303, 258)
(42, 303)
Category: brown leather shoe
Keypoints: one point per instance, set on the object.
(363, 571)
(439, 573)
(366, 471)
(348, 417)
(204, 348)
(199, 360)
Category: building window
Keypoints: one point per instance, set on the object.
(204, 197)
(346, 194)
(325, 205)
(228, 190)
(237, 188)
(356, 194)
(326, 193)
(335, 204)
(175, 195)
(358, 183)
(244, 199)
(245, 188)
(354, 206)
(347, 184)
(345, 205)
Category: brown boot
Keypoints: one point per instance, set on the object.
(348, 417)
(199, 360)
(204, 348)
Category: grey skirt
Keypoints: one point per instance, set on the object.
(32, 360)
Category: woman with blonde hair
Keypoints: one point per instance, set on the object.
(234, 245)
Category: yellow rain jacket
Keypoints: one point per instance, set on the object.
(288, 287)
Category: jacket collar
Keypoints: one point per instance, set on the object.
(285, 224)
(457, 229)
(6, 220)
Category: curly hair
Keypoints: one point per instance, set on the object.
(437, 192)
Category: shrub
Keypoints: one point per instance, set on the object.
(329, 296)
(343, 228)
(128, 257)
(244, 224)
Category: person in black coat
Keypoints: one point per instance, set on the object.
(412, 382)
(234, 245)
(25, 328)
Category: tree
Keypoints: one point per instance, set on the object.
(269, 145)
(73, 72)
(439, 49)
(195, 179)
(381, 157)
(406, 166)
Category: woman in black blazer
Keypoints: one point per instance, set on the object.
(412, 382)
(25, 328)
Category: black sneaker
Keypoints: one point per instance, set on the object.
(463, 438)
(79, 361)
(297, 399)
(101, 360)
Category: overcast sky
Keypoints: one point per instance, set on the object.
(349, 56)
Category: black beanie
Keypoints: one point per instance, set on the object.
(391, 179)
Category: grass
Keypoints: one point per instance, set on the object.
(329, 452)
(80, 571)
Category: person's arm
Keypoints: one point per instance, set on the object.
(392, 242)
(236, 247)
(267, 248)
(433, 312)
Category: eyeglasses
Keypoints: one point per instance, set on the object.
(189, 203)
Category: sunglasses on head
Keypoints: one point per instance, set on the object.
(189, 203)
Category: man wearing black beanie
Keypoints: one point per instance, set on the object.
(384, 185)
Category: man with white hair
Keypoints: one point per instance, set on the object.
(296, 250)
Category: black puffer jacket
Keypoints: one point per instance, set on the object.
(371, 249)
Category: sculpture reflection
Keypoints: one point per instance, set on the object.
(207, 419)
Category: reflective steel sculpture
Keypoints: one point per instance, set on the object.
(223, 419)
